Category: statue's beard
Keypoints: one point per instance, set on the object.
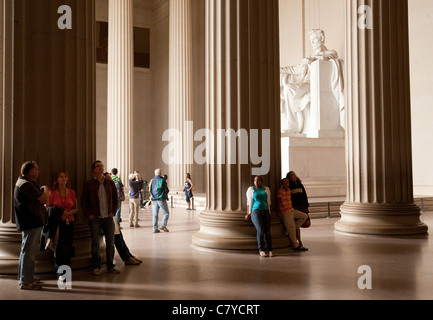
(320, 49)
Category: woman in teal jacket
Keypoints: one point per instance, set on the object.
(259, 209)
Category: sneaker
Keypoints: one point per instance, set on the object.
(37, 280)
(263, 254)
(131, 225)
(114, 270)
(300, 248)
(164, 229)
(156, 231)
(271, 254)
(30, 286)
(137, 225)
(131, 262)
(138, 260)
(96, 272)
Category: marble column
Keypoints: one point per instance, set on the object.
(9, 238)
(120, 88)
(180, 91)
(48, 110)
(379, 153)
(242, 94)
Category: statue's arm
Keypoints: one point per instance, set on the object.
(326, 55)
(297, 69)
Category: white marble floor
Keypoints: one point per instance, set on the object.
(175, 270)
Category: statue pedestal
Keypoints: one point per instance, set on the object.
(324, 117)
(319, 163)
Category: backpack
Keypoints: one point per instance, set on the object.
(160, 190)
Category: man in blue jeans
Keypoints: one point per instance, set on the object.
(99, 201)
(159, 195)
(29, 202)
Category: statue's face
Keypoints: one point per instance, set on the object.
(316, 42)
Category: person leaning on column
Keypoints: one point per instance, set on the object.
(99, 202)
(259, 210)
(293, 219)
(299, 200)
(120, 243)
(61, 232)
(29, 201)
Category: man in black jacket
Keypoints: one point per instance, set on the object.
(29, 202)
(99, 201)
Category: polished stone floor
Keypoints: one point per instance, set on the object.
(173, 269)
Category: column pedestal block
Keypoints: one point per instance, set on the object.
(381, 219)
(320, 163)
(230, 232)
(44, 263)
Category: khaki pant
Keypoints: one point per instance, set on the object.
(134, 209)
(294, 220)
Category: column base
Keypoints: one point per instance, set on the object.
(381, 219)
(230, 232)
(10, 247)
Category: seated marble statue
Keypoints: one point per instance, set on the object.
(296, 89)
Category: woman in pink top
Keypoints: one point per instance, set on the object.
(63, 197)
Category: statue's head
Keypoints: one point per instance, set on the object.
(317, 39)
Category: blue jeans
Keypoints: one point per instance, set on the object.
(118, 212)
(29, 248)
(262, 221)
(156, 204)
(107, 226)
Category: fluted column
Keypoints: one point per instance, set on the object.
(180, 91)
(8, 235)
(379, 153)
(242, 94)
(120, 87)
(48, 114)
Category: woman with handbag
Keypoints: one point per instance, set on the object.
(259, 210)
(65, 198)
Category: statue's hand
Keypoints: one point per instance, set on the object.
(321, 57)
(306, 61)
